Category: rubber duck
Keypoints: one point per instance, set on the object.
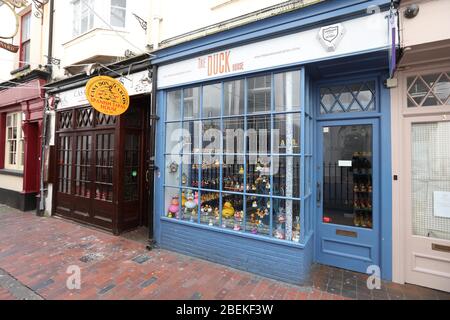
(228, 210)
(174, 207)
(241, 170)
(183, 200)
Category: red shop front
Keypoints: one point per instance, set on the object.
(21, 113)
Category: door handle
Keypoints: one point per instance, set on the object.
(319, 195)
(146, 175)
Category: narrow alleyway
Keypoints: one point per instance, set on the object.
(35, 254)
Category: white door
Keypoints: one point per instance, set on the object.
(427, 202)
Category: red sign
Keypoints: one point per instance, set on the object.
(8, 46)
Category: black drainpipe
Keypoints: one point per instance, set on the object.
(152, 167)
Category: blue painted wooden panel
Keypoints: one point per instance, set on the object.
(277, 261)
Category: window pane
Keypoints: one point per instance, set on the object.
(258, 175)
(356, 97)
(118, 17)
(192, 136)
(172, 203)
(286, 176)
(286, 135)
(286, 219)
(258, 133)
(209, 208)
(191, 103)
(26, 27)
(174, 137)
(259, 94)
(430, 179)
(212, 96)
(189, 205)
(232, 211)
(234, 98)
(233, 173)
(287, 91)
(173, 105)
(212, 136)
(233, 135)
(258, 215)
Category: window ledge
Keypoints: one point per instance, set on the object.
(9, 172)
(298, 245)
(21, 69)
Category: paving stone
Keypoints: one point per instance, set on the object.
(38, 251)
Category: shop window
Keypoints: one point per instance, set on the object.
(234, 155)
(14, 155)
(357, 97)
(65, 164)
(83, 16)
(84, 117)
(429, 90)
(83, 166)
(430, 179)
(104, 167)
(118, 13)
(25, 40)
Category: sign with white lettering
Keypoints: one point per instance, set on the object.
(365, 34)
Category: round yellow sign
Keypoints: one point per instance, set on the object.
(107, 95)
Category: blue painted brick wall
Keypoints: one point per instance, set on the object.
(272, 260)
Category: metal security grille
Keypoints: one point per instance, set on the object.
(429, 90)
(356, 97)
(430, 173)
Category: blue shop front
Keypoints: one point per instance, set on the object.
(273, 144)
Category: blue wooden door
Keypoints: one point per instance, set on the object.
(348, 193)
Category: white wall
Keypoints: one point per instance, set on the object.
(101, 40)
(11, 183)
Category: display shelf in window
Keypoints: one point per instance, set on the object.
(209, 208)
(362, 189)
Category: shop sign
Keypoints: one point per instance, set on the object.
(136, 83)
(107, 95)
(10, 22)
(364, 34)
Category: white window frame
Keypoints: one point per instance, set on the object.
(111, 7)
(77, 11)
(14, 122)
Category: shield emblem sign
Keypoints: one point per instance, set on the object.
(330, 34)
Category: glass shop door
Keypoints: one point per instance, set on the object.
(347, 191)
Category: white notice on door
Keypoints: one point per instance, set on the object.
(345, 163)
(441, 204)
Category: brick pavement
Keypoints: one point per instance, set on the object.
(37, 252)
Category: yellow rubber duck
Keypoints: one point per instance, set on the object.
(228, 210)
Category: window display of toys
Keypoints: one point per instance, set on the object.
(190, 205)
(228, 210)
(174, 208)
(237, 227)
(279, 233)
(238, 216)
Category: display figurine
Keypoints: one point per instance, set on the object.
(228, 210)
(196, 198)
(238, 216)
(237, 227)
(216, 213)
(254, 229)
(255, 204)
(210, 223)
(209, 210)
(279, 233)
(253, 187)
(282, 144)
(268, 204)
(174, 207)
(190, 204)
(241, 170)
(184, 178)
(296, 236)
